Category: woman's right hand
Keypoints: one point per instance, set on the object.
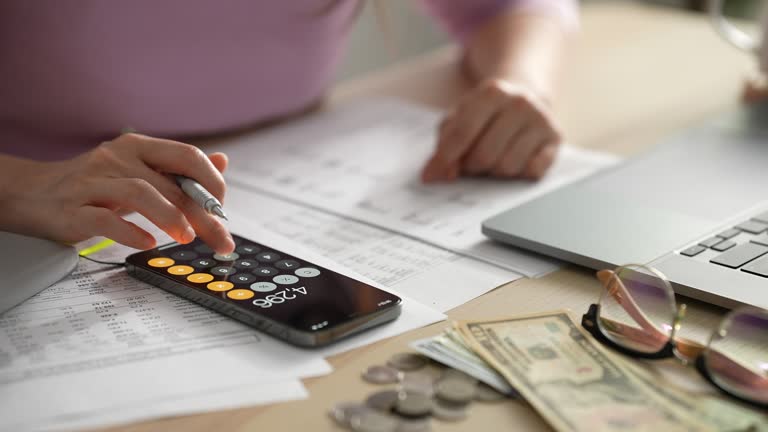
(73, 200)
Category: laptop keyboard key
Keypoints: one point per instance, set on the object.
(763, 240)
(693, 251)
(730, 233)
(752, 227)
(740, 255)
(762, 217)
(710, 242)
(758, 267)
(724, 245)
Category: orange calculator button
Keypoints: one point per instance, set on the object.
(180, 270)
(200, 278)
(161, 262)
(220, 286)
(240, 294)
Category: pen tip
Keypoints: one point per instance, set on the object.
(220, 213)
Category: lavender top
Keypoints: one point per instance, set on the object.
(75, 73)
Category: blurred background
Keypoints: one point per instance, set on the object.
(399, 29)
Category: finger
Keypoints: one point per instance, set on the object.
(466, 124)
(208, 227)
(491, 146)
(436, 169)
(518, 153)
(141, 196)
(173, 157)
(100, 221)
(541, 161)
(220, 161)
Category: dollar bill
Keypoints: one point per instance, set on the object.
(446, 350)
(572, 381)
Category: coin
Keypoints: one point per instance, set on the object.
(415, 425)
(374, 421)
(383, 401)
(381, 375)
(457, 374)
(449, 412)
(417, 382)
(486, 393)
(455, 390)
(411, 404)
(344, 412)
(407, 361)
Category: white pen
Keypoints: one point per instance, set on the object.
(201, 196)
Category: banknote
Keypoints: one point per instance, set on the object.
(445, 350)
(572, 381)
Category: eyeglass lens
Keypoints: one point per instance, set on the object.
(737, 356)
(637, 310)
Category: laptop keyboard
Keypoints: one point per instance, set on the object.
(744, 247)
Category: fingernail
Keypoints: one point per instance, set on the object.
(188, 235)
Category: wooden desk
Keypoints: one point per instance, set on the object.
(635, 74)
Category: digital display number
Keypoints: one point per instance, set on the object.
(279, 297)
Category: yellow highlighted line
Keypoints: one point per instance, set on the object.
(97, 247)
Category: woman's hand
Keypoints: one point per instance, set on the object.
(74, 200)
(499, 129)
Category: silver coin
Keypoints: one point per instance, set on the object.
(413, 404)
(415, 425)
(486, 393)
(343, 412)
(374, 421)
(455, 390)
(449, 412)
(407, 361)
(417, 382)
(457, 374)
(383, 401)
(378, 374)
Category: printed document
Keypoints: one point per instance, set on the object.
(363, 161)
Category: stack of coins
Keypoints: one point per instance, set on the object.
(423, 391)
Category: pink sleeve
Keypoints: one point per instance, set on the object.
(462, 17)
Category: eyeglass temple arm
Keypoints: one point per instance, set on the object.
(649, 332)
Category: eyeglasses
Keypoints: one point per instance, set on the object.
(637, 315)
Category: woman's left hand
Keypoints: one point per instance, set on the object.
(500, 129)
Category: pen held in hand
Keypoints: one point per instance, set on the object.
(201, 196)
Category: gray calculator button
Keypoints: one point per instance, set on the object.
(263, 286)
(740, 255)
(285, 279)
(247, 249)
(267, 256)
(243, 278)
(287, 265)
(752, 227)
(223, 271)
(729, 233)
(226, 257)
(202, 263)
(204, 249)
(307, 272)
(183, 255)
(246, 264)
(265, 271)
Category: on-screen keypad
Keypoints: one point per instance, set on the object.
(249, 271)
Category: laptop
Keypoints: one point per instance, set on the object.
(695, 207)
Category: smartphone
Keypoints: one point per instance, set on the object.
(280, 294)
